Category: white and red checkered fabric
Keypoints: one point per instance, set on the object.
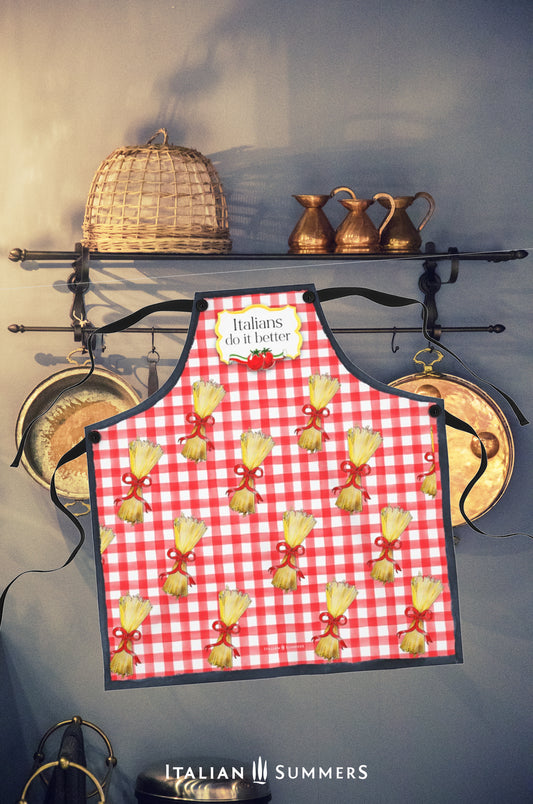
(277, 629)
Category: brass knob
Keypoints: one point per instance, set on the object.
(490, 442)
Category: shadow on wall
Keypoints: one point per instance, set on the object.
(260, 183)
(297, 97)
(17, 733)
(304, 97)
(313, 127)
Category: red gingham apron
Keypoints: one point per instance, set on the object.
(275, 635)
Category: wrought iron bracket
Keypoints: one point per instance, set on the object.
(78, 283)
(430, 282)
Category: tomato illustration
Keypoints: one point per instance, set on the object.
(258, 359)
(268, 358)
(255, 360)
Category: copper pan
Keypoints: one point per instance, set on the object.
(469, 403)
(58, 429)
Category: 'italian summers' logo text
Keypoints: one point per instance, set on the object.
(260, 770)
(302, 772)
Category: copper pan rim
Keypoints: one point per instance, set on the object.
(472, 404)
(62, 422)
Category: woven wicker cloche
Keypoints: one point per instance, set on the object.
(156, 197)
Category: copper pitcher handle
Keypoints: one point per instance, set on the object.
(345, 190)
(392, 203)
(429, 198)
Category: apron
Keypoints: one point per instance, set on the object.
(271, 510)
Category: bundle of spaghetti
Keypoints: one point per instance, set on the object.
(133, 610)
(255, 446)
(296, 526)
(106, 537)
(187, 533)
(322, 389)
(394, 521)
(207, 394)
(429, 479)
(231, 604)
(339, 596)
(425, 591)
(362, 444)
(143, 457)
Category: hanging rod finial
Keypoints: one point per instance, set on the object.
(17, 254)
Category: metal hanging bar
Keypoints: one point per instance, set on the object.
(429, 282)
(494, 328)
(22, 255)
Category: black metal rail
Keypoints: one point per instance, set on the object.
(23, 255)
(429, 282)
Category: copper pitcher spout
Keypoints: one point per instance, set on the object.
(313, 233)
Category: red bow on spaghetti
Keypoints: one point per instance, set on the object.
(136, 484)
(353, 473)
(246, 473)
(226, 631)
(289, 557)
(198, 421)
(385, 546)
(179, 558)
(316, 414)
(417, 617)
(126, 637)
(430, 457)
(332, 622)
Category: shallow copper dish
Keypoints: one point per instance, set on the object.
(468, 402)
(103, 395)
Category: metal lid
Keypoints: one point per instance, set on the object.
(204, 779)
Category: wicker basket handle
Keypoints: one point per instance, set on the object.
(162, 131)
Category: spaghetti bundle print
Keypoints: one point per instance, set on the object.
(143, 457)
(260, 551)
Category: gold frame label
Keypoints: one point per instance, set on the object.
(258, 329)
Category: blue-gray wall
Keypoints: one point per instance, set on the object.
(286, 97)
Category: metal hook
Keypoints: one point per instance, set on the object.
(153, 359)
(394, 348)
(80, 350)
(154, 352)
(428, 367)
(86, 507)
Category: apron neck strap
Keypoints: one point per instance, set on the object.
(389, 300)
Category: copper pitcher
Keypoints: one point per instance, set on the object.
(400, 235)
(313, 234)
(357, 233)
